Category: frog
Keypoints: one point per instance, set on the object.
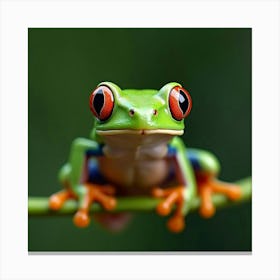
(135, 149)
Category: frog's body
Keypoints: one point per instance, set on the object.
(136, 162)
(135, 148)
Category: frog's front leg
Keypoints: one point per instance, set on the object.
(75, 178)
(182, 193)
(206, 168)
(89, 193)
(172, 196)
(57, 200)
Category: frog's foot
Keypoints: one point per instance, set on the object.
(171, 197)
(207, 185)
(94, 193)
(57, 200)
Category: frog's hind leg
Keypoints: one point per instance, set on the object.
(206, 168)
(208, 185)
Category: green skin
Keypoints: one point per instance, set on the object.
(120, 119)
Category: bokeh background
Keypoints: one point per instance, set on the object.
(65, 65)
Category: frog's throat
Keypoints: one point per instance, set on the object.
(140, 131)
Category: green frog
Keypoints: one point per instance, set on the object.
(134, 149)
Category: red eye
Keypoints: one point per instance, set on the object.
(101, 103)
(180, 103)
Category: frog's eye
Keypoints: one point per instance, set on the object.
(101, 103)
(180, 103)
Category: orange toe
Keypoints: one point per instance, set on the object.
(176, 224)
(81, 219)
(57, 200)
(207, 210)
(163, 209)
(110, 203)
(54, 202)
(158, 192)
(234, 192)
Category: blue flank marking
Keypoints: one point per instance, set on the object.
(94, 175)
(193, 158)
(171, 151)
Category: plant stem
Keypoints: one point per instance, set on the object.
(38, 206)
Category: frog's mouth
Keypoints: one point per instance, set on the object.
(140, 131)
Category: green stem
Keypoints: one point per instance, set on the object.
(38, 206)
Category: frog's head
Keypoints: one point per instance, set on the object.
(139, 111)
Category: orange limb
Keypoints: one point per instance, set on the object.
(171, 197)
(208, 185)
(207, 208)
(94, 193)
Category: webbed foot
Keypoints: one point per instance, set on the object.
(94, 193)
(208, 185)
(89, 193)
(171, 197)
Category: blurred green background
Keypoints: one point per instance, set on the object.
(65, 65)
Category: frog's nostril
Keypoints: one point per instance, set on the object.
(131, 112)
(155, 112)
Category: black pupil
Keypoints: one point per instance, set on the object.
(98, 101)
(183, 101)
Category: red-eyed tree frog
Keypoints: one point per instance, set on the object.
(134, 149)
